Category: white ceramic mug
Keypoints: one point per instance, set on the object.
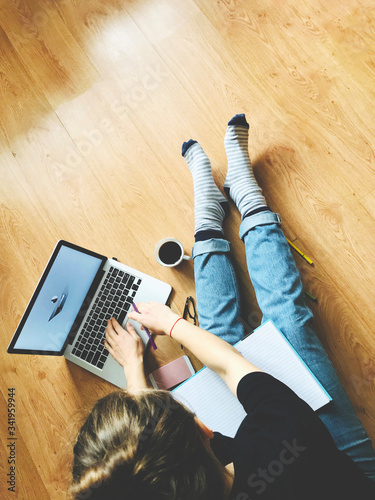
(170, 256)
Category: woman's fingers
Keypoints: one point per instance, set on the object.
(153, 315)
(112, 332)
(116, 326)
(108, 346)
(131, 330)
(125, 346)
(135, 316)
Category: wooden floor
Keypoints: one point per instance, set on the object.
(96, 99)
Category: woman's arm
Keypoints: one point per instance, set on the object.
(212, 351)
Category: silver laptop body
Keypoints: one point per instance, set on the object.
(78, 292)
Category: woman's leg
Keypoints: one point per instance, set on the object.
(218, 301)
(280, 296)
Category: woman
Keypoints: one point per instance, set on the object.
(140, 443)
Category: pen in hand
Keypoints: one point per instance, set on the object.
(145, 329)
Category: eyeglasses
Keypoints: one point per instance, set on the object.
(189, 310)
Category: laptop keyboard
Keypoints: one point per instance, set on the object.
(113, 301)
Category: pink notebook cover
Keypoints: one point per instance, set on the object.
(172, 374)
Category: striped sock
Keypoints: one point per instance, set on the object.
(210, 206)
(240, 183)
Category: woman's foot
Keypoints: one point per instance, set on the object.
(210, 204)
(240, 184)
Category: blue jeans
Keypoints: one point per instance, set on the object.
(280, 296)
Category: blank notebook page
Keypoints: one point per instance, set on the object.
(213, 403)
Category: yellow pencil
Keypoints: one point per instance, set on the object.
(299, 252)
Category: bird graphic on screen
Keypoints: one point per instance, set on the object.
(59, 302)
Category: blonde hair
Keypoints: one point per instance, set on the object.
(143, 446)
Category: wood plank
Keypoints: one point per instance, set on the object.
(306, 93)
(22, 104)
(60, 68)
(24, 466)
(106, 33)
(368, 202)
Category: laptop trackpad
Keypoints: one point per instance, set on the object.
(140, 332)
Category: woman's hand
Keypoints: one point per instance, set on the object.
(158, 318)
(124, 345)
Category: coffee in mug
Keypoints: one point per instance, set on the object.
(169, 252)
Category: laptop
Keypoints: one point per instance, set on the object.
(67, 315)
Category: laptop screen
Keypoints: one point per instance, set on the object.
(57, 300)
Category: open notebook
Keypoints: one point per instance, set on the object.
(213, 403)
